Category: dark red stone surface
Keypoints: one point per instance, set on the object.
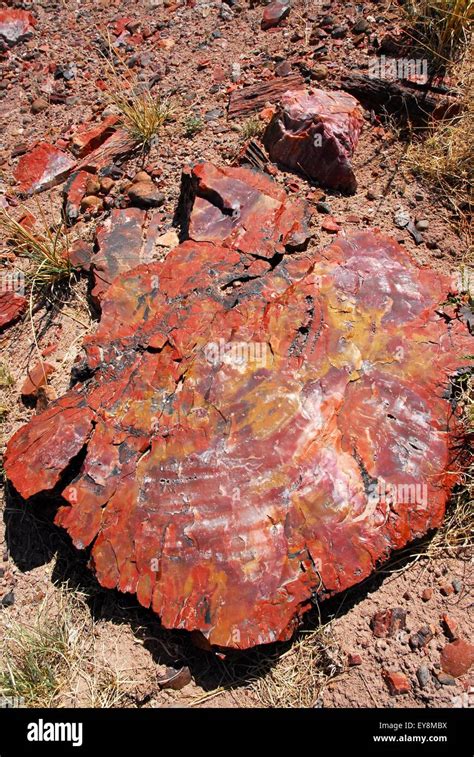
(74, 191)
(119, 241)
(115, 148)
(42, 167)
(15, 25)
(457, 658)
(242, 209)
(36, 378)
(316, 133)
(12, 306)
(227, 494)
(88, 138)
(274, 13)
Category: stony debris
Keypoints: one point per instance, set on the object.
(242, 209)
(36, 378)
(388, 622)
(15, 26)
(397, 682)
(421, 638)
(252, 463)
(144, 194)
(175, 678)
(12, 306)
(88, 138)
(457, 657)
(42, 167)
(275, 12)
(316, 133)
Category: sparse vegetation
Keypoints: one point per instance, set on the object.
(253, 127)
(193, 125)
(442, 27)
(47, 250)
(142, 114)
(52, 662)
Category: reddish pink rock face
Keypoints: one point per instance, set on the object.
(43, 167)
(457, 658)
(274, 13)
(316, 133)
(89, 138)
(73, 193)
(253, 436)
(242, 209)
(12, 306)
(15, 26)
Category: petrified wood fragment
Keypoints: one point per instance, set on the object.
(252, 435)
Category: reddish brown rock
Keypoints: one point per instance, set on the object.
(242, 209)
(43, 167)
(12, 306)
(316, 133)
(89, 138)
(387, 622)
(274, 13)
(397, 682)
(119, 243)
(144, 194)
(15, 26)
(74, 192)
(114, 150)
(426, 594)
(254, 97)
(421, 638)
(251, 442)
(457, 657)
(450, 627)
(36, 378)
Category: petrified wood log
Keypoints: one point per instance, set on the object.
(399, 98)
(247, 436)
(244, 101)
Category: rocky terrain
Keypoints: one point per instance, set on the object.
(255, 217)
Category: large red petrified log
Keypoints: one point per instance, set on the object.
(253, 435)
(316, 133)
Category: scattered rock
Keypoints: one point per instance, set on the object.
(175, 678)
(8, 600)
(456, 582)
(274, 13)
(92, 185)
(372, 195)
(421, 638)
(240, 208)
(316, 132)
(361, 26)
(141, 176)
(319, 72)
(74, 191)
(422, 225)
(445, 679)
(424, 676)
(330, 225)
(397, 682)
(446, 589)
(43, 167)
(401, 218)
(91, 203)
(323, 207)
(354, 660)
(457, 657)
(388, 622)
(449, 626)
(426, 594)
(106, 184)
(38, 105)
(15, 26)
(12, 306)
(37, 377)
(169, 239)
(144, 194)
(88, 138)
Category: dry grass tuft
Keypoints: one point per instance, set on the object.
(47, 250)
(442, 27)
(299, 676)
(52, 662)
(445, 154)
(253, 127)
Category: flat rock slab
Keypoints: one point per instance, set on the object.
(250, 442)
(15, 26)
(42, 167)
(316, 133)
(242, 209)
(12, 306)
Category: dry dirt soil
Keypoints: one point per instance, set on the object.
(193, 51)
